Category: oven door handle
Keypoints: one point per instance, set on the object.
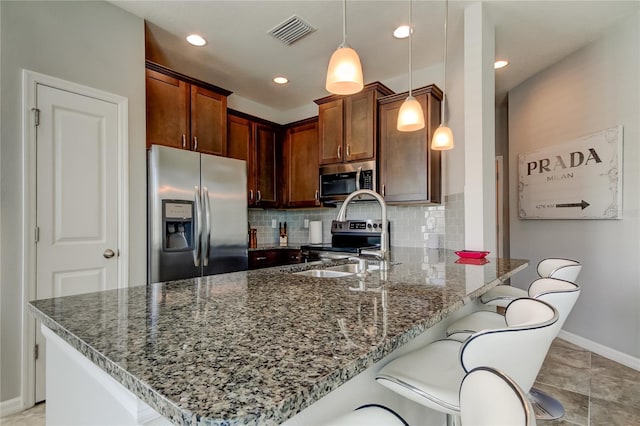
(358, 174)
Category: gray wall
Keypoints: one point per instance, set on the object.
(91, 43)
(593, 89)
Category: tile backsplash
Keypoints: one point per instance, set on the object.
(429, 226)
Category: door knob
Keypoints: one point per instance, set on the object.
(108, 254)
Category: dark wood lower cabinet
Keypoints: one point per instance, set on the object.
(273, 257)
(409, 170)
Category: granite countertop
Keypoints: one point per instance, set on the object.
(259, 346)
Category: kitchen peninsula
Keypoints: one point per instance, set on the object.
(253, 347)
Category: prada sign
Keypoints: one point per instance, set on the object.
(579, 179)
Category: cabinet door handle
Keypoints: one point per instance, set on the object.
(348, 151)
(195, 143)
(317, 196)
(251, 195)
(261, 258)
(184, 141)
(258, 196)
(339, 151)
(383, 190)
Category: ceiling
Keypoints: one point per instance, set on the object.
(241, 57)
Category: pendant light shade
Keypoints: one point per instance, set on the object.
(410, 116)
(442, 138)
(344, 74)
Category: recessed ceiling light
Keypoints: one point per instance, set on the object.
(401, 32)
(500, 64)
(280, 80)
(196, 40)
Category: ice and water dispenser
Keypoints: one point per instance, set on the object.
(177, 222)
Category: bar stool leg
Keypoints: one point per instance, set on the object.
(549, 408)
(453, 420)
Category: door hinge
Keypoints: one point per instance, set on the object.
(37, 234)
(36, 116)
(36, 351)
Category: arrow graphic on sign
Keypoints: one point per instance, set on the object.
(582, 204)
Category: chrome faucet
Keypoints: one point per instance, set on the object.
(383, 254)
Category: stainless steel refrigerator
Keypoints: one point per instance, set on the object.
(197, 209)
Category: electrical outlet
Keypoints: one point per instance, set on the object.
(273, 223)
(306, 223)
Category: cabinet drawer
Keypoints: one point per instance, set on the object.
(273, 257)
(292, 256)
(264, 258)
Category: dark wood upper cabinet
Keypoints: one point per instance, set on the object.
(347, 125)
(300, 160)
(330, 132)
(167, 110)
(266, 166)
(255, 141)
(208, 121)
(410, 172)
(360, 125)
(183, 112)
(240, 146)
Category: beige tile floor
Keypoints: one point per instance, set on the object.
(594, 390)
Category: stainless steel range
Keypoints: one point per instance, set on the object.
(348, 238)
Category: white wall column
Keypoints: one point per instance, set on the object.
(479, 146)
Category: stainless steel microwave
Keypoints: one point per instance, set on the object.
(339, 180)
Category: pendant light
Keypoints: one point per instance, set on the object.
(443, 137)
(410, 116)
(344, 74)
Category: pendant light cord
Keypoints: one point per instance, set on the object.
(444, 67)
(344, 23)
(410, 37)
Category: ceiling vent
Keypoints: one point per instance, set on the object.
(291, 30)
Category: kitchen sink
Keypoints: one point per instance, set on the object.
(351, 268)
(323, 273)
(335, 271)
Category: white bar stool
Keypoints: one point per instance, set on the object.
(433, 374)
(560, 294)
(563, 269)
(487, 398)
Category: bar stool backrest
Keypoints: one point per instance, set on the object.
(519, 349)
(564, 269)
(560, 294)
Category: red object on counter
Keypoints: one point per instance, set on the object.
(471, 254)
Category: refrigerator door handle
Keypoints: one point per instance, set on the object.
(207, 220)
(198, 230)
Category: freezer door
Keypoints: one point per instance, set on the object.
(224, 237)
(174, 222)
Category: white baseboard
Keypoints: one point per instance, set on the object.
(11, 406)
(612, 354)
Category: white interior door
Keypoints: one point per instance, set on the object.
(77, 199)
